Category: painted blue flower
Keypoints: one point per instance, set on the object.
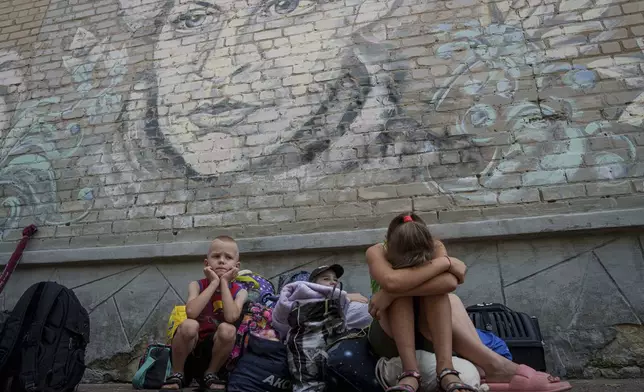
(86, 194)
(74, 129)
(580, 79)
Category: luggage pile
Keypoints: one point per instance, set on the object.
(259, 360)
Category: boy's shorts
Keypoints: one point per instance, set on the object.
(199, 359)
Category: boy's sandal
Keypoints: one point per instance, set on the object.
(177, 379)
(455, 385)
(406, 387)
(210, 380)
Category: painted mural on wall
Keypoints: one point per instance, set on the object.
(231, 91)
(326, 93)
(42, 139)
(210, 100)
(335, 92)
(549, 109)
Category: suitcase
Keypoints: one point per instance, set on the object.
(520, 331)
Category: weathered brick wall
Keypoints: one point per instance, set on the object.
(137, 121)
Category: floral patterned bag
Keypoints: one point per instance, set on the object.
(256, 318)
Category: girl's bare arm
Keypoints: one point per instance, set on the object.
(439, 249)
(442, 284)
(404, 279)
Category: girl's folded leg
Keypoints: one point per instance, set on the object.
(498, 370)
(436, 315)
(397, 324)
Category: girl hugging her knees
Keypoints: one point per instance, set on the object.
(412, 278)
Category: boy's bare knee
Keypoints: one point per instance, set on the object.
(226, 332)
(189, 328)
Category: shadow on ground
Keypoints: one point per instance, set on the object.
(632, 385)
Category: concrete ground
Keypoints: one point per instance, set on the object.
(632, 385)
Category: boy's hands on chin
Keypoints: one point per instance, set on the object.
(230, 275)
(211, 275)
(379, 302)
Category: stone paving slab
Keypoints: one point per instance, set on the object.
(631, 385)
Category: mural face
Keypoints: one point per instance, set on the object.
(241, 86)
(468, 99)
(262, 86)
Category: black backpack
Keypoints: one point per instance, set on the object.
(42, 343)
(520, 332)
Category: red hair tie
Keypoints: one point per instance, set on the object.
(407, 218)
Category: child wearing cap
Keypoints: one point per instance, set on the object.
(357, 314)
(310, 316)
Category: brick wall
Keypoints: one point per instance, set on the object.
(142, 121)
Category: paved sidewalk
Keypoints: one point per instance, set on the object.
(632, 385)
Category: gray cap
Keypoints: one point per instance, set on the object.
(337, 268)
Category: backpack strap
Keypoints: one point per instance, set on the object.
(139, 377)
(29, 369)
(12, 330)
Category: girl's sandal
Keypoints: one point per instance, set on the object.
(177, 379)
(210, 380)
(453, 386)
(406, 387)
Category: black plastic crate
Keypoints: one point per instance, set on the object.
(520, 331)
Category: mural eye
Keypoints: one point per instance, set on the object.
(195, 20)
(192, 19)
(286, 6)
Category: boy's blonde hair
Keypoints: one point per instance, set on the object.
(225, 238)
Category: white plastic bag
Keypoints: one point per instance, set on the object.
(388, 370)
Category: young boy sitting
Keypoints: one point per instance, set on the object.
(203, 342)
(357, 313)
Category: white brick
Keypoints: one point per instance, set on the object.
(543, 177)
(633, 7)
(516, 196)
(377, 192)
(267, 201)
(352, 209)
(471, 199)
(237, 218)
(562, 192)
(298, 29)
(207, 220)
(316, 212)
(330, 24)
(302, 199)
(393, 206)
(277, 215)
(267, 34)
(298, 79)
(609, 188)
